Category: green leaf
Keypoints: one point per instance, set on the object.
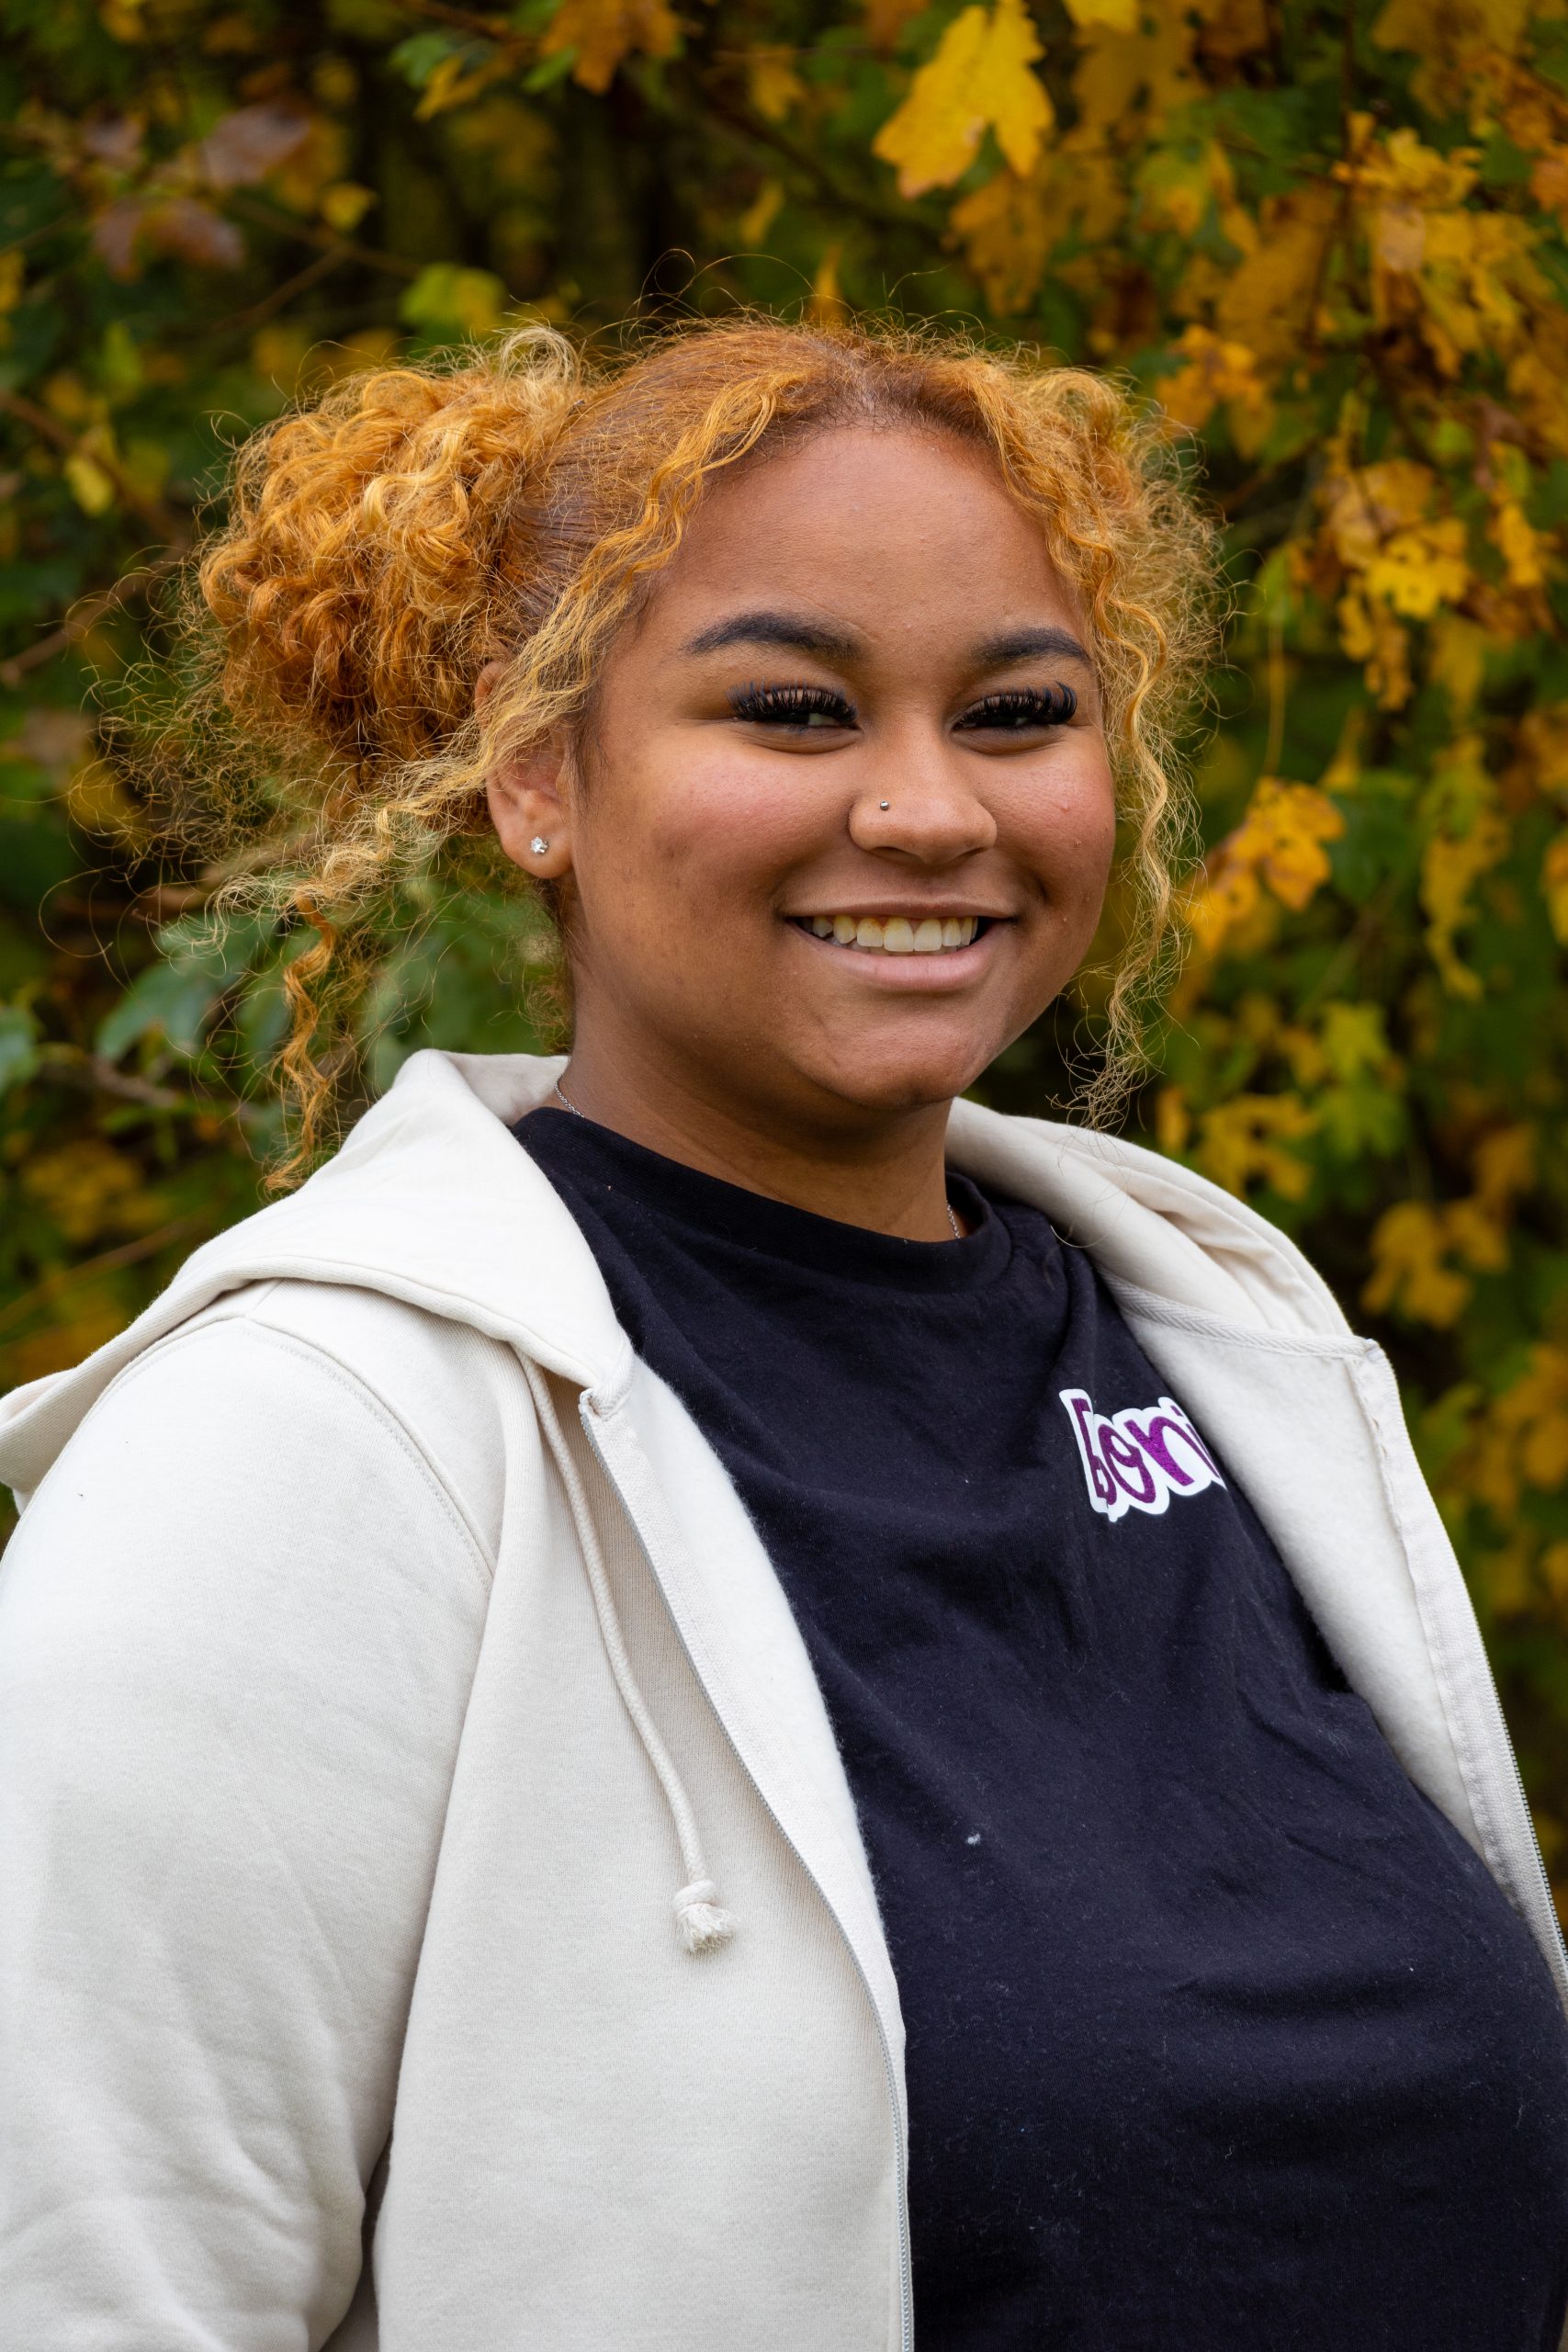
(175, 997)
(19, 1047)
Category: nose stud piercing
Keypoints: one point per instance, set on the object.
(538, 844)
(883, 804)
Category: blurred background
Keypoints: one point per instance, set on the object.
(1329, 238)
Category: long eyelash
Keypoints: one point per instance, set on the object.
(791, 705)
(1023, 706)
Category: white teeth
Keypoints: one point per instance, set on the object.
(896, 934)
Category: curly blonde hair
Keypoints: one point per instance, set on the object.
(422, 522)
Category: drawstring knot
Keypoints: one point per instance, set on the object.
(703, 1922)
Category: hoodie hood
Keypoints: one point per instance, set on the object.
(430, 1201)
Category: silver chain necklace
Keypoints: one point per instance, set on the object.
(570, 1105)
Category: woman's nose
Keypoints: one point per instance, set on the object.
(922, 806)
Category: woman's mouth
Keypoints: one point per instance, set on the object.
(910, 934)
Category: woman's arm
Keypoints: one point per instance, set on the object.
(237, 1628)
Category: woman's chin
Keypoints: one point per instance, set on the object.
(910, 1075)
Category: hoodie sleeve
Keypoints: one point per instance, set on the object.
(238, 1625)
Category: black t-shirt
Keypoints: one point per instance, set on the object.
(1220, 2038)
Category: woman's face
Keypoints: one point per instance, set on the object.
(842, 822)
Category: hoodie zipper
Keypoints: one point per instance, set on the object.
(905, 2274)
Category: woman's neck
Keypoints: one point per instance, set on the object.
(881, 1169)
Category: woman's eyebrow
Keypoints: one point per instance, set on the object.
(1025, 644)
(793, 632)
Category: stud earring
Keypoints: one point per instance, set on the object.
(538, 845)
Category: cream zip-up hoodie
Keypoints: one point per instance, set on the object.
(431, 1910)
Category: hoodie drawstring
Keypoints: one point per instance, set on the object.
(701, 1920)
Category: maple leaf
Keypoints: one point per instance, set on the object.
(1118, 73)
(601, 32)
(979, 80)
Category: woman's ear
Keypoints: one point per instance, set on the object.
(528, 804)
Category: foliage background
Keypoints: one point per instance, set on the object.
(1328, 235)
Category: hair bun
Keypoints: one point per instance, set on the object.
(360, 583)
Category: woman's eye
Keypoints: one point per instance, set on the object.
(793, 707)
(1017, 710)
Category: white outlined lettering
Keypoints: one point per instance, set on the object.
(1136, 1460)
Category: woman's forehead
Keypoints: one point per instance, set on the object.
(855, 521)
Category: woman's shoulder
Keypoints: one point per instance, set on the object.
(1155, 1227)
(334, 1417)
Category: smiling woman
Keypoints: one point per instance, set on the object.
(509, 520)
(703, 1691)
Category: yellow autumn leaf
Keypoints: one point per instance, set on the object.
(99, 803)
(1371, 635)
(1410, 1270)
(1116, 16)
(1451, 864)
(1554, 886)
(1364, 505)
(601, 32)
(1523, 1436)
(1217, 372)
(1354, 1040)
(85, 1186)
(1177, 185)
(826, 304)
(1541, 743)
(980, 79)
(1120, 73)
(1289, 823)
(762, 212)
(344, 205)
(1523, 548)
(90, 486)
(1246, 1141)
(1430, 27)
(1173, 1120)
(1415, 572)
(1506, 1163)
(1455, 661)
(1280, 842)
(772, 83)
(455, 83)
(1006, 229)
